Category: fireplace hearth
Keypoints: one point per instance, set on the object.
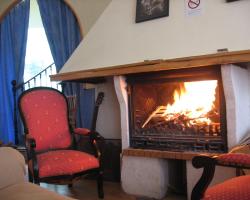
(178, 110)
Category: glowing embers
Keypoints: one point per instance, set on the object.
(192, 110)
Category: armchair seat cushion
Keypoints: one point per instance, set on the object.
(65, 162)
(235, 188)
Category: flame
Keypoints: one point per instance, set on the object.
(193, 101)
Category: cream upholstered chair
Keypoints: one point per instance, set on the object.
(13, 181)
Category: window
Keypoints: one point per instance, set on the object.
(38, 54)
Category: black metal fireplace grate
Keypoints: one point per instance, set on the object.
(203, 144)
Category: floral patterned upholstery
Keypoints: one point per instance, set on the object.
(45, 114)
(234, 189)
(65, 162)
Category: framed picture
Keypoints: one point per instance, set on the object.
(151, 9)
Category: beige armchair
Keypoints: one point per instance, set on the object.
(13, 184)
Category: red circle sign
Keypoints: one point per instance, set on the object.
(192, 4)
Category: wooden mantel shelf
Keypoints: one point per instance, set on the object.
(235, 57)
(164, 154)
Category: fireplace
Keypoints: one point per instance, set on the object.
(178, 110)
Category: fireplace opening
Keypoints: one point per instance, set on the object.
(178, 110)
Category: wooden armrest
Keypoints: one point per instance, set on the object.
(82, 131)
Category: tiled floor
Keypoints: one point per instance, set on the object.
(86, 190)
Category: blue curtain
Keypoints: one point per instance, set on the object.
(13, 39)
(64, 36)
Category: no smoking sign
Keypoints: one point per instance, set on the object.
(193, 7)
(192, 4)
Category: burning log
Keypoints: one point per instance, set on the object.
(160, 113)
(159, 119)
(157, 113)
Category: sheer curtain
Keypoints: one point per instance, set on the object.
(13, 39)
(63, 35)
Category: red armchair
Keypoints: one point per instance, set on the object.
(50, 141)
(237, 188)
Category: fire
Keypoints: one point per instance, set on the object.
(194, 102)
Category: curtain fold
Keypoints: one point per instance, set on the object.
(63, 33)
(13, 39)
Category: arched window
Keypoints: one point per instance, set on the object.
(37, 49)
(38, 54)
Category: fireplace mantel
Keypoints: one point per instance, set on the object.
(234, 57)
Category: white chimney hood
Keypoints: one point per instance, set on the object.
(115, 39)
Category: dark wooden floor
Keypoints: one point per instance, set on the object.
(86, 190)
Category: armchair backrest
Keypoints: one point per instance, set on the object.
(45, 115)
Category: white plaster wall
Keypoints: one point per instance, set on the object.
(88, 11)
(116, 39)
(236, 88)
(143, 176)
(121, 93)
(109, 117)
(241, 80)
(140, 176)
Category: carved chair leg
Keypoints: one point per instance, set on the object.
(100, 185)
(36, 181)
(36, 178)
(30, 176)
